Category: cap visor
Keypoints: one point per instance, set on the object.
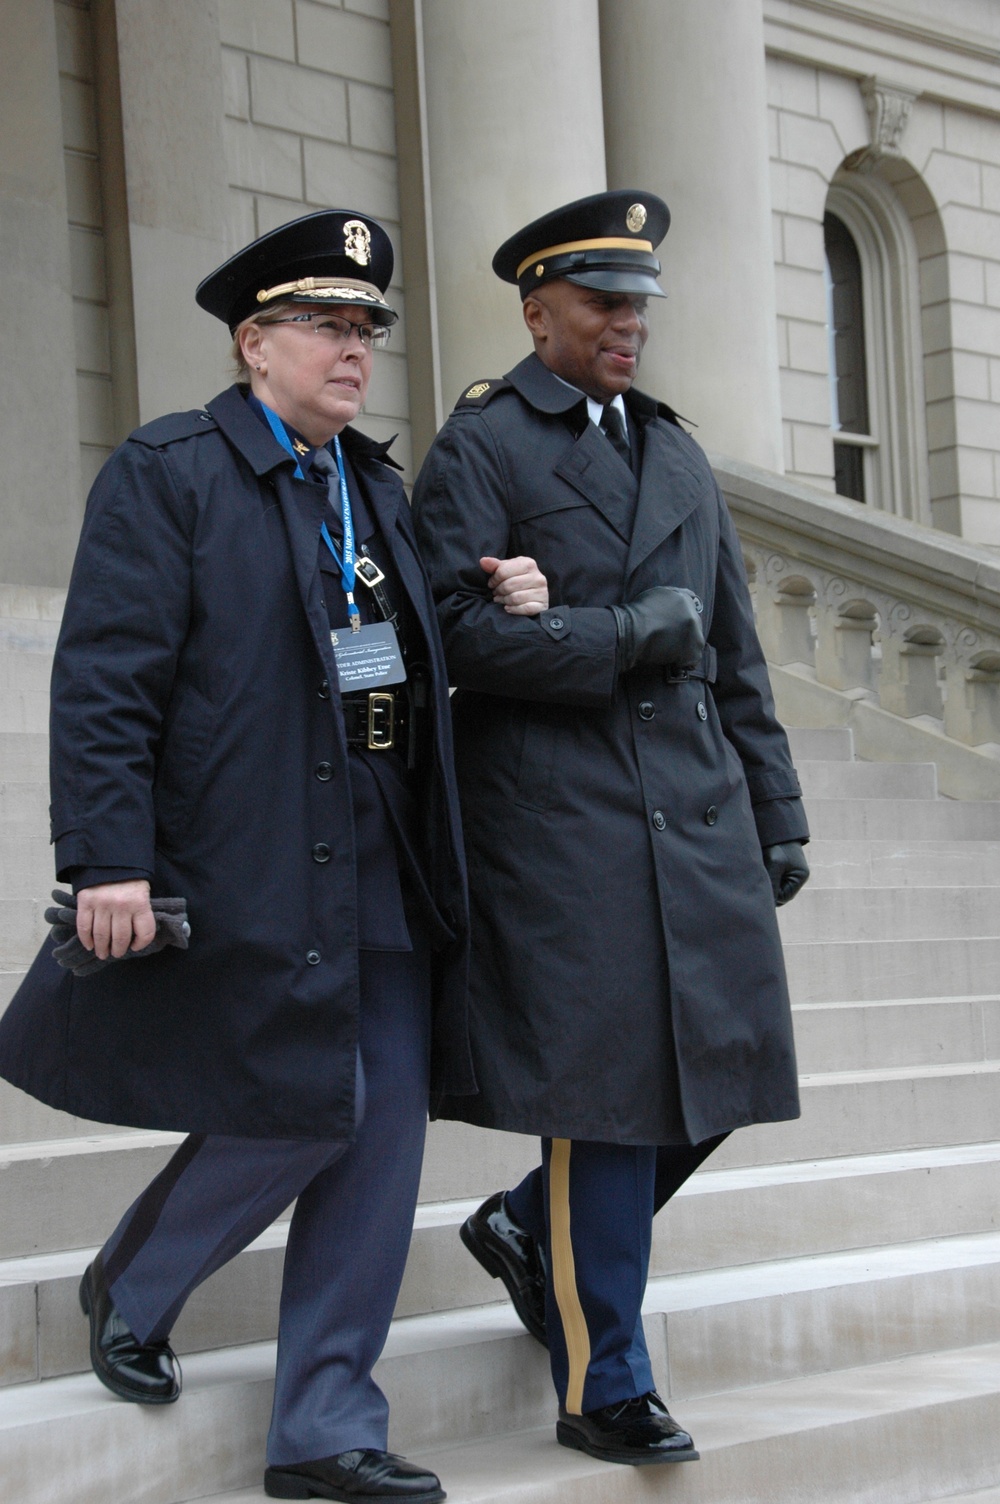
(350, 297)
(635, 281)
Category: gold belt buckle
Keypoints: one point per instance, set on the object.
(381, 721)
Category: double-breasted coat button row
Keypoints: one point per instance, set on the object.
(711, 815)
(321, 852)
(701, 711)
(313, 957)
(324, 690)
(659, 820)
(647, 710)
(324, 771)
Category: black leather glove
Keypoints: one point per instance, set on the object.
(662, 625)
(787, 868)
(172, 928)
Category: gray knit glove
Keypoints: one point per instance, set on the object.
(172, 928)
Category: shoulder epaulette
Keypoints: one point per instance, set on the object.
(481, 392)
(173, 426)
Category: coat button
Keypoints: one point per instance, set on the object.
(324, 771)
(659, 820)
(647, 710)
(556, 623)
(711, 815)
(701, 711)
(321, 852)
(312, 957)
(324, 690)
(698, 606)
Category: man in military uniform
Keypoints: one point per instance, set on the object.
(630, 809)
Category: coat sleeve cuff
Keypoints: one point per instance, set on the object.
(780, 820)
(91, 877)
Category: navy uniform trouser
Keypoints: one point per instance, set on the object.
(347, 1240)
(591, 1207)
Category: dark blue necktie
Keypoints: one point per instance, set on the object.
(611, 424)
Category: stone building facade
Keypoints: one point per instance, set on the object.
(143, 142)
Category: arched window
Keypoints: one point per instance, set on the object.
(877, 405)
(848, 365)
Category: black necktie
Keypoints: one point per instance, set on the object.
(325, 465)
(611, 424)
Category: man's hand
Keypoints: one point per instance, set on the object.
(114, 917)
(662, 625)
(787, 868)
(517, 585)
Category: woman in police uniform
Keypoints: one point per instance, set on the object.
(202, 748)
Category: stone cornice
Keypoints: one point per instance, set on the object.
(863, 37)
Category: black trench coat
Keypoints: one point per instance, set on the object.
(194, 696)
(627, 981)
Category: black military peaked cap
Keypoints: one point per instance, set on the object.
(332, 256)
(605, 241)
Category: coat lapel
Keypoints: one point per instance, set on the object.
(599, 474)
(669, 490)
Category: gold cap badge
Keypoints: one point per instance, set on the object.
(358, 240)
(636, 218)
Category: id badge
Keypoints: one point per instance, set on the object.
(369, 658)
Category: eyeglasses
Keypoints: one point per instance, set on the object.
(337, 331)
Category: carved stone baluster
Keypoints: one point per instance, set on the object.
(844, 627)
(784, 601)
(972, 704)
(908, 683)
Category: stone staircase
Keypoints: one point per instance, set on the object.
(824, 1303)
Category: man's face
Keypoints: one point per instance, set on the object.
(591, 339)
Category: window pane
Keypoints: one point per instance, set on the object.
(848, 327)
(849, 471)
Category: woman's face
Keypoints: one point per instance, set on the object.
(314, 383)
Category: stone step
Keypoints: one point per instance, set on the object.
(904, 819)
(903, 864)
(827, 744)
(10, 981)
(25, 666)
(66, 1193)
(718, 1220)
(847, 971)
(901, 1430)
(30, 603)
(859, 914)
(836, 779)
(908, 1031)
(865, 1112)
(24, 756)
(24, 1120)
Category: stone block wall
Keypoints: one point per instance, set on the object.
(74, 37)
(946, 182)
(309, 124)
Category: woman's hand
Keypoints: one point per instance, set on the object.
(114, 917)
(517, 585)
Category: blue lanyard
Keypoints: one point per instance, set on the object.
(346, 563)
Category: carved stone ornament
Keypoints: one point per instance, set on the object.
(888, 116)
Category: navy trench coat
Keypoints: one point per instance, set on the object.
(194, 697)
(627, 981)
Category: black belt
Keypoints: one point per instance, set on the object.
(377, 720)
(705, 670)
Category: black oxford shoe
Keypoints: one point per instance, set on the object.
(146, 1372)
(635, 1431)
(508, 1252)
(366, 1475)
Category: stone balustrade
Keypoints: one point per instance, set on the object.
(873, 605)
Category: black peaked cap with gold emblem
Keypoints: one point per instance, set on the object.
(332, 256)
(604, 241)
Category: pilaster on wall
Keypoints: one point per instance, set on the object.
(171, 109)
(500, 115)
(39, 492)
(685, 115)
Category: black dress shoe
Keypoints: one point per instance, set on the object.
(146, 1372)
(366, 1475)
(635, 1431)
(508, 1252)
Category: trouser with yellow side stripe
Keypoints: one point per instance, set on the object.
(591, 1207)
